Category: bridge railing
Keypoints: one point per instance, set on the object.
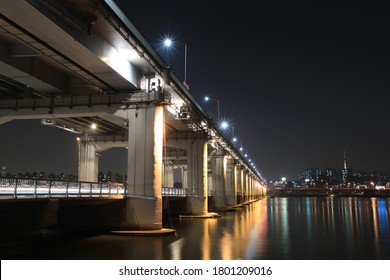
(174, 192)
(35, 188)
(16, 187)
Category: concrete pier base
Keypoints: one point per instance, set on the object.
(197, 208)
(156, 232)
(143, 213)
(202, 216)
(219, 202)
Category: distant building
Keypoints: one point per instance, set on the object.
(341, 178)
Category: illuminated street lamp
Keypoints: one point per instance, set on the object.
(207, 99)
(224, 125)
(168, 42)
(235, 140)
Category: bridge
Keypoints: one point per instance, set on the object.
(83, 67)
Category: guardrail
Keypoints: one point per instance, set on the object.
(36, 188)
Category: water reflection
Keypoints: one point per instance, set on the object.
(273, 228)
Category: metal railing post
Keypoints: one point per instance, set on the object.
(15, 186)
(49, 193)
(67, 189)
(35, 188)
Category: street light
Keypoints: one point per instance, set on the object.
(224, 125)
(168, 42)
(207, 99)
(235, 140)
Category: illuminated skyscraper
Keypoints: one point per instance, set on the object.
(345, 161)
(344, 171)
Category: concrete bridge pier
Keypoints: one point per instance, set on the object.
(88, 160)
(244, 185)
(168, 176)
(231, 183)
(89, 152)
(250, 188)
(197, 200)
(218, 174)
(145, 167)
(238, 169)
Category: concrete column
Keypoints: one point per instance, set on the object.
(197, 177)
(144, 175)
(238, 183)
(168, 176)
(242, 184)
(250, 188)
(231, 183)
(219, 180)
(184, 179)
(88, 160)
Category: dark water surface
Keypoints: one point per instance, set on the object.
(298, 228)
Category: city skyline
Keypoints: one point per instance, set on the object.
(106, 170)
(299, 83)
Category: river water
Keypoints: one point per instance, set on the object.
(298, 228)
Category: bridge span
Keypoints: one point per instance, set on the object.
(83, 67)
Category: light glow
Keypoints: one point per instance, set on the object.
(224, 125)
(93, 126)
(168, 42)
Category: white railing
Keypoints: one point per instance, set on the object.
(174, 192)
(34, 188)
(15, 187)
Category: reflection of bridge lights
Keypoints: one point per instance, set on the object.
(93, 126)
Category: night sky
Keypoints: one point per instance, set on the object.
(299, 82)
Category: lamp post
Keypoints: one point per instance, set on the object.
(235, 140)
(169, 43)
(211, 99)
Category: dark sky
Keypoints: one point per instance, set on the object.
(300, 82)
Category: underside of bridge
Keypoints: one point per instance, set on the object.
(83, 67)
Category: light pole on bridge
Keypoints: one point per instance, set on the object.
(207, 99)
(169, 43)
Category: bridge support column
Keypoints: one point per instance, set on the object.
(231, 183)
(168, 176)
(88, 160)
(219, 180)
(250, 187)
(238, 183)
(184, 179)
(145, 151)
(245, 186)
(197, 177)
